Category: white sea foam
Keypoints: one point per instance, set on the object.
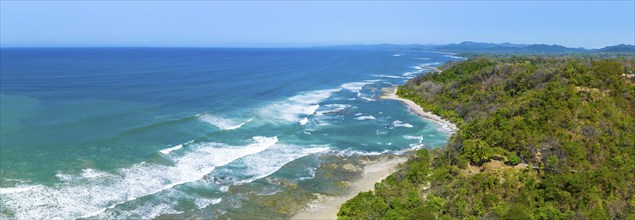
(350, 152)
(354, 86)
(224, 188)
(263, 164)
(92, 173)
(18, 189)
(222, 123)
(311, 171)
(149, 210)
(421, 58)
(309, 110)
(204, 202)
(357, 86)
(365, 117)
(416, 146)
(431, 64)
(398, 123)
(409, 137)
(93, 195)
(388, 76)
(412, 73)
(361, 96)
(297, 107)
(453, 56)
(367, 99)
(419, 69)
(168, 150)
(304, 121)
(397, 55)
(86, 173)
(176, 147)
(165, 202)
(63, 176)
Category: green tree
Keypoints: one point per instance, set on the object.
(512, 158)
(517, 212)
(477, 150)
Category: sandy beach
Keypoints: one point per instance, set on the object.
(391, 93)
(373, 173)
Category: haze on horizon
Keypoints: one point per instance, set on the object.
(296, 24)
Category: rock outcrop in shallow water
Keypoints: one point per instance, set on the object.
(282, 198)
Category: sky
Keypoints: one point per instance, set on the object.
(586, 24)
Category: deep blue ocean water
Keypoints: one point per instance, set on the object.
(138, 132)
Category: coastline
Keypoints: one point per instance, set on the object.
(373, 173)
(391, 93)
(436, 70)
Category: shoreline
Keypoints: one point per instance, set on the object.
(436, 70)
(373, 173)
(391, 93)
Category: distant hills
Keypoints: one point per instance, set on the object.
(477, 47)
(622, 48)
(502, 48)
(471, 46)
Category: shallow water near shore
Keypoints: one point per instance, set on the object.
(209, 133)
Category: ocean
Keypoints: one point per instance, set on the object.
(103, 133)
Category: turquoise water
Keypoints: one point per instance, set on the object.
(143, 132)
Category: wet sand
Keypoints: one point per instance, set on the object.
(391, 93)
(373, 173)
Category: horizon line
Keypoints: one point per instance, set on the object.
(297, 47)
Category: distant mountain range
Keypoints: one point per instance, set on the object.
(502, 48)
(477, 47)
(621, 48)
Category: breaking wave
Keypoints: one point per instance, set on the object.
(91, 194)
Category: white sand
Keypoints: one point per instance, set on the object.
(416, 109)
(373, 173)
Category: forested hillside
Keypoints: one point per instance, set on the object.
(539, 138)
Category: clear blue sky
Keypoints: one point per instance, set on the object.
(271, 24)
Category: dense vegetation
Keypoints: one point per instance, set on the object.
(539, 138)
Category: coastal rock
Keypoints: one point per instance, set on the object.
(344, 184)
(287, 203)
(351, 168)
(318, 202)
